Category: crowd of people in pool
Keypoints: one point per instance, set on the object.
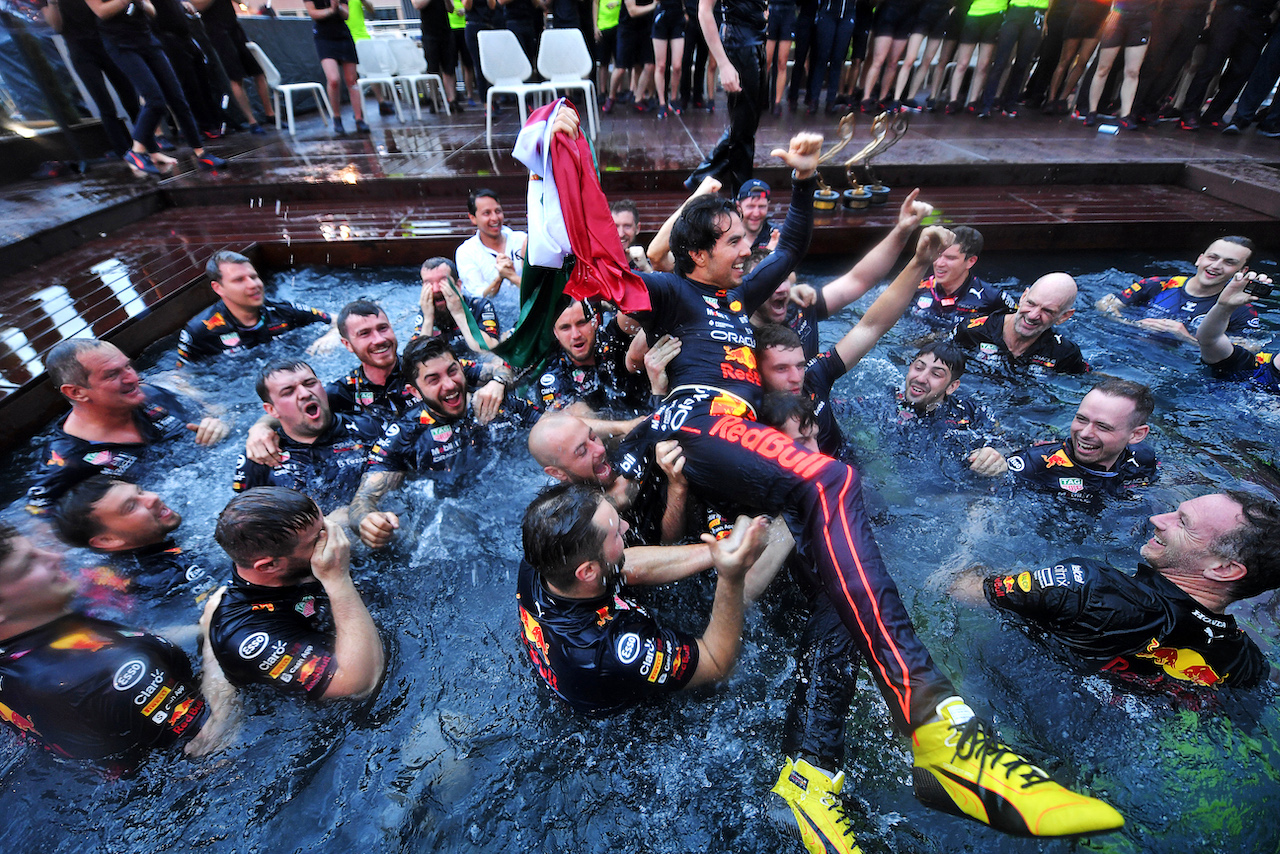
(693, 431)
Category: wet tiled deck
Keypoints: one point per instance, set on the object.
(91, 254)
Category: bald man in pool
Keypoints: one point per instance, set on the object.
(1024, 340)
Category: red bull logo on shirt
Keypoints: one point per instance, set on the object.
(770, 444)
(1058, 458)
(744, 356)
(1186, 665)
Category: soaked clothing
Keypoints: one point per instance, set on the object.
(68, 459)
(420, 442)
(1050, 352)
(1244, 365)
(974, 297)
(955, 424)
(91, 689)
(607, 386)
(443, 324)
(327, 469)
(151, 574)
(1140, 628)
(600, 655)
(279, 636)
(820, 376)
(215, 330)
(357, 394)
(1168, 298)
(1052, 467)
(648, 494)
(803, 321)
(728, 455)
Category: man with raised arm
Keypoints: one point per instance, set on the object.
(1226, 359)
(292, 617)
(115, 418)
(597, 650)
(715, 389)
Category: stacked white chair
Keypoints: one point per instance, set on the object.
(272, 74)
(377, 67)
(564, 60)
(411, 67)
(504, 65)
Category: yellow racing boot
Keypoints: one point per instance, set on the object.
(821, 821)
(961, 767)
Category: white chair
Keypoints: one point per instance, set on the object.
(411, 67)
(504, 65)
(272, 74)
(564, 60)
(377, 67)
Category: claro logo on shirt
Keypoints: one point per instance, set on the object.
(254, 644)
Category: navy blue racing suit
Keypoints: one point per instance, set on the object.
(715, 387)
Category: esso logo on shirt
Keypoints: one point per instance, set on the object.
(253, 644)
(129, 674)
(628, 647)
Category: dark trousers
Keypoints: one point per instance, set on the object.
(806, 17)
(192, 70)
(766, 472)
(693, 73)
(831, 37)
(1174, 34)
(528, 34)
(90, 60)
(826, 675)
(731, 160)
(1236, 37)
(1021, 32)
(1261, 82)
(149, 71)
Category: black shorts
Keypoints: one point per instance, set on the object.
(1127, 29)
(460, 45)
(339, 50)
(1087, 18)
(933, 19)
(955, 21)
(895, 18)
(981, 29)
(232, 53)
(607, 46)
(441, 51)
(668, 24)
(782, 22)
(861, 29)
(635, 47)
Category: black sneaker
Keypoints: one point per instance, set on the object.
(1235, 128)
(385, 109)
(1189, 122)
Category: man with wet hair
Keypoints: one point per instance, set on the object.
(441, 312)
(494, 255)
(115, 418)
(90, 689)
(1176, 306)
(591, 367)
(1225, 358)
(1023, 340)
(953, 293)
(1165, 627)
(1103, 456)
(626, 218)
(438, 435)
(716, 387)
(373, 386)
(601, 652)
(243, 317)
(291, 616)
(321, 453)
(134, 528)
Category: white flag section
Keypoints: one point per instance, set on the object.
(548, 237)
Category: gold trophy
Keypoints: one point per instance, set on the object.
(886, 130)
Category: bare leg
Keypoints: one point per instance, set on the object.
(784, 53)
(660, 69)
(332, 84)
(889, 74)
(980, 70)
(1106, 59)
(1129, 88)
(905, 74)
(1087, 47)
(353, 89)
(945, 52)
(677, 67)
(264, 94)
(963, 54)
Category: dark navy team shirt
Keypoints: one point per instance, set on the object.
(85, 688)
(1243, 365)
(1052, 467)
(357, 394)
(1051, 351)
(803, 321)
(820, 376)
(67, 459)
(607, 386)
(600, 655)
(975, 297)
(278, 636)
(486, 317)
(216, 330)
(1141, 628)
(1168, 298)
(328, 469)
(420, 442)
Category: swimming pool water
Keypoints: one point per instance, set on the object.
(462, 750)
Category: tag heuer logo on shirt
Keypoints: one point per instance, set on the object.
(1071, 484)
(231, 339)
(442, 433)
(364, 398)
